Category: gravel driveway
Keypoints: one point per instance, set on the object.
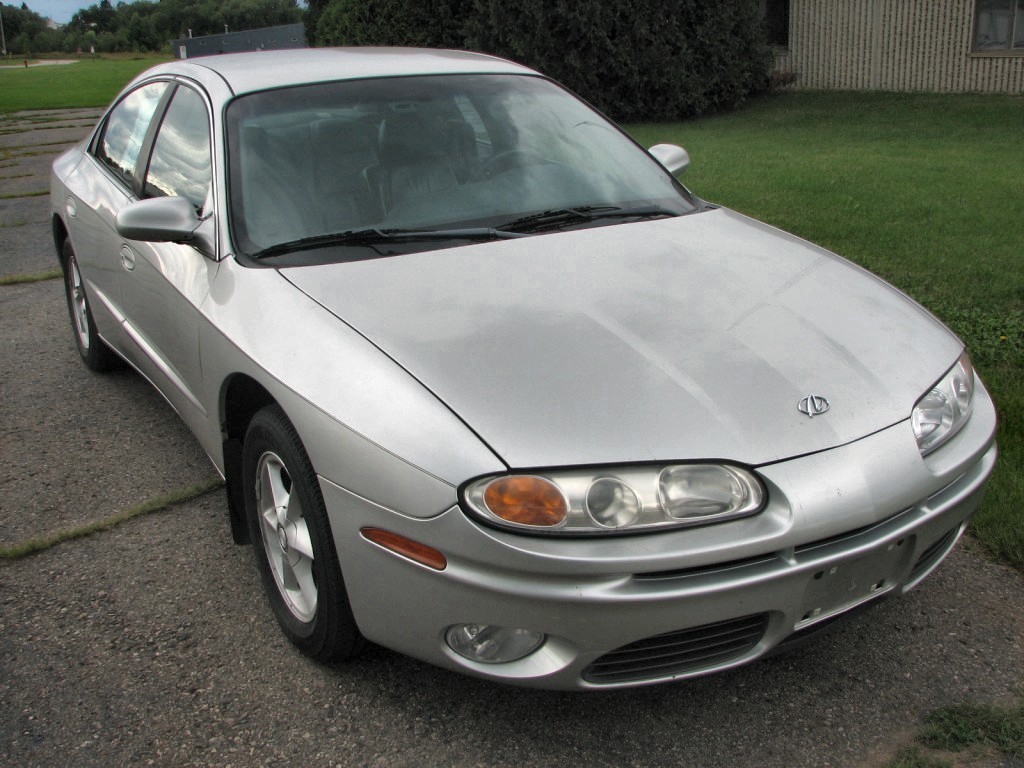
(150, 644)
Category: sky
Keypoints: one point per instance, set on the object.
(60, 11)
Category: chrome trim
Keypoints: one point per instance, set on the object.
(813, 405)
(95, 291)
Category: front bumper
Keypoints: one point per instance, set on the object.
(843, 527)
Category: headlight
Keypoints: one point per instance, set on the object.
(611, 500)
(942, 411)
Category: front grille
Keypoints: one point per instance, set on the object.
(847, 536)
(820, 548)
(933, 554)
(676, 653)
(706, 570)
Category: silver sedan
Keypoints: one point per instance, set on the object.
(489, 386)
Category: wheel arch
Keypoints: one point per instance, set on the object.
(60, 235)
(241, 398)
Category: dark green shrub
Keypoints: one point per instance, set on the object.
(423, 23)
(642, 60)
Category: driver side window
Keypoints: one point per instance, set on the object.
(181, 161)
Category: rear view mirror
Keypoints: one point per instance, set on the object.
(675, 159)
(158, 220)
(164, 220)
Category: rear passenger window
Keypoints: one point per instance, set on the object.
(180, 163)
(125, 131)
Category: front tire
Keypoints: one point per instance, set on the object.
(292, 540)
(96, 355)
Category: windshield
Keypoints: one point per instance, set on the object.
(473, 155)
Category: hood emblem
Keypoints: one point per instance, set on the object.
(814, 405)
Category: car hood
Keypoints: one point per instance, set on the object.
(688, 338)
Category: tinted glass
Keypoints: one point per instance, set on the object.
(180, 163)
(994, 26)
(434, 152)
(126, 128)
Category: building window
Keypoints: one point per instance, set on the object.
(999, 25)
(776, 21)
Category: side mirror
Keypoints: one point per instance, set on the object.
(675, 159)
(163, 220)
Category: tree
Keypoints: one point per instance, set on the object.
(314, 9)
(646, 59)
(22, 28)
(145, 25)
(427, 23)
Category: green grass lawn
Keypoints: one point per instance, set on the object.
(926, 191)
(86, 83)
(979, 731)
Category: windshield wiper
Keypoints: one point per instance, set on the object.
(558, 216)
(375, 235)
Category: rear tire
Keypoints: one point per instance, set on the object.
(292, 540)
(96, 355)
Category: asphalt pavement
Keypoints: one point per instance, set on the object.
(152, 644)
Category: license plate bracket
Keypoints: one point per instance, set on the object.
(842, 586)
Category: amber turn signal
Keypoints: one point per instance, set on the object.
(400, 545)
(526, 500)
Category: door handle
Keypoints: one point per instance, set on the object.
(127, 258)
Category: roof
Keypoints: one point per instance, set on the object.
(263, 70)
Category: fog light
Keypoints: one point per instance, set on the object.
(491, 644)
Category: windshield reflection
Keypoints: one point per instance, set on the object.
(420, 153)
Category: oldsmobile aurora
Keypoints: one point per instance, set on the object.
(490, 387)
